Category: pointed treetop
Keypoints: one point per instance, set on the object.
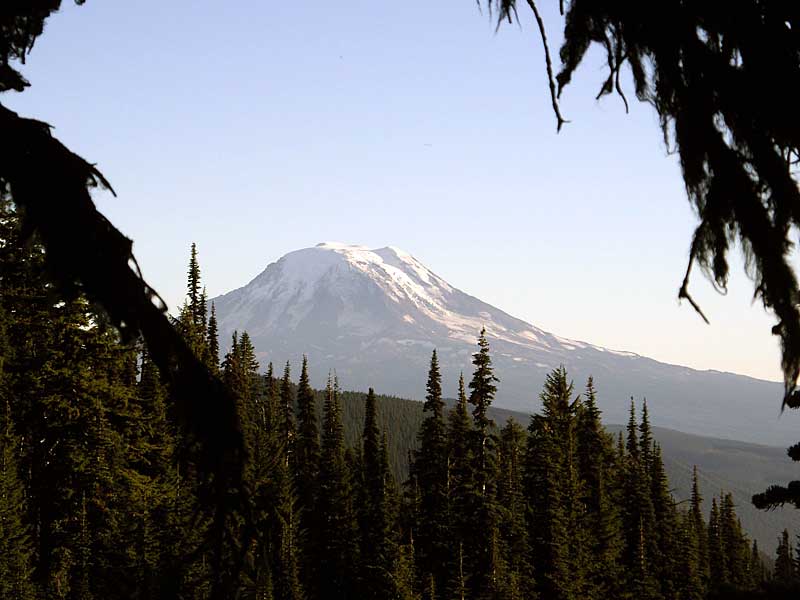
(632, 443)
(212, 339)
(645, 436)
(371, 434)
(557, 392)
(202, 310)
(459, 422)
(193, 285)
(433, 400)
(304, 370)
(287, 373)
(591, 396)
(482, 386)
(697, 499)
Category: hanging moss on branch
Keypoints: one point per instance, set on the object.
(723, 78)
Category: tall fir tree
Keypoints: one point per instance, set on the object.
(699, 530)
(285, 545)
(377, 519)
(192, 320)
(638, 516)
(558, 536)
(597, 466)
(430, 468)
(735, 546)
(757, 568)
(212, 340)
(688, 581)
(718, 575)
(784, 571)
(307, 450)
(484, 553)
(459, 484)
(286, 419)
(513, 509)
(666, 550)
(337, 532)
(193, 286)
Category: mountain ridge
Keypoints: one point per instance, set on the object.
(374, 315)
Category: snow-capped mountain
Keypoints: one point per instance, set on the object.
(374, 316)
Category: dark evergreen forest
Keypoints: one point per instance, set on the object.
(347, 496)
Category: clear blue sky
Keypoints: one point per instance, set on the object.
(256, 128)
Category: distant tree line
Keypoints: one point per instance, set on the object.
(95, 501)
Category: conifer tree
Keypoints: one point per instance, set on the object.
(377, 519)
(553, 493)
(459, 484)
(735, 546)
(718, 575)
(430, 468)
(191, 319)
(193, 286)
(513, 509)
(165, 529)
(485, 554)
(784, 571)
(307, 446)
(287, 427)
(688, 584)
(700, 531)
(632, 439)
(337, 527)
(279, 431)
(306, 478)
(369, 490)
(212, 340)
(638, 518)
(665, 532)
(757, 569)
(645, 440)
(202, 313)
(482, 390)
(284, 564)
(597, 464)
(390, 544)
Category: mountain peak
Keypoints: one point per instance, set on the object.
(375, 315)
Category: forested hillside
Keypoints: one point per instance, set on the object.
(739, 468)
(99, 500)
